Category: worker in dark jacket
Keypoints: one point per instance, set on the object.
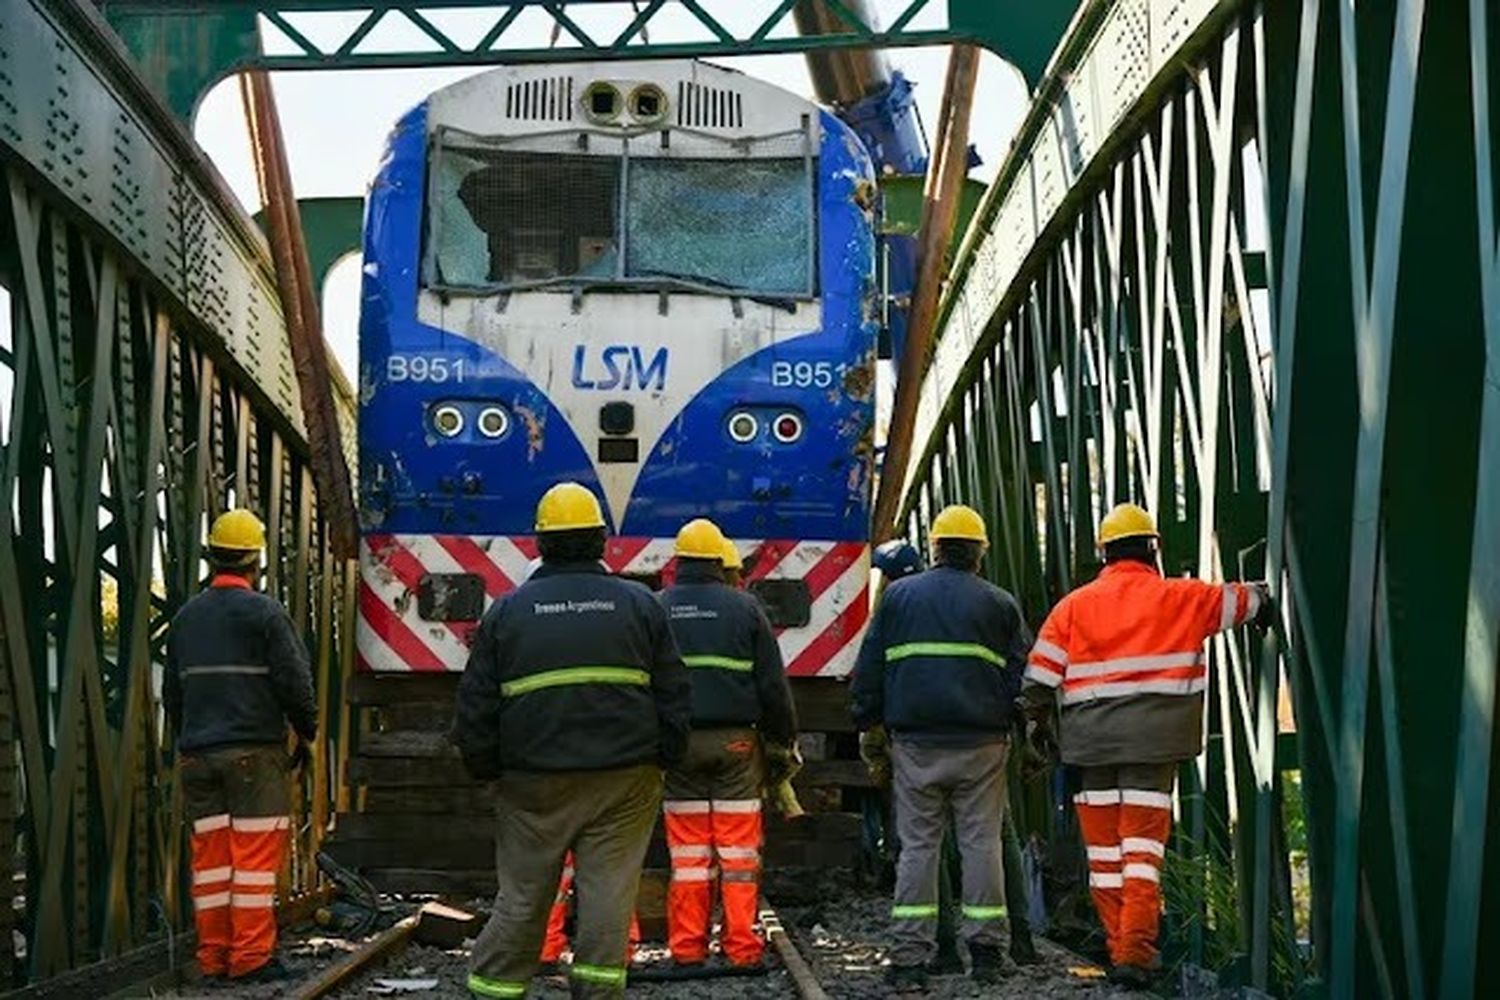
(940, 668)
(897, 559)
(573, 701)
(236, 674)
(713, 801)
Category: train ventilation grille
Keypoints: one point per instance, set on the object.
(549, 100)
(709, 107)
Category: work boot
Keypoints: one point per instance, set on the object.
(947, 962)
(1022, 949)
(988, 964)
(273, 971)
(1132, 977)
(906, 977)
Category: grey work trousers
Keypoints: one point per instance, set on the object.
(928, 783)
(605, 818)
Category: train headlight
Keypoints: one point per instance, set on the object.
(602, 102)
(648, 104)
(743, 427)
(448, 420)
(787, 427)
(493, 422)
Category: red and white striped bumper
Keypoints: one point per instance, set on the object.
(393, 637)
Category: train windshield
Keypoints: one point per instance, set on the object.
(502, 219)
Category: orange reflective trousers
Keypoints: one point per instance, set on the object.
(1125, 815)
(713, 811)
(236, 800)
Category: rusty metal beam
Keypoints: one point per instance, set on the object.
(299, 303)
(945, 179)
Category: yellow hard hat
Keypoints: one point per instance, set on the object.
(732, 558)
(568, 507)
(700, 538)
(958, 521)
(1126, 520)
(237, 530)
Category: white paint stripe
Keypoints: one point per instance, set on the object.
(209, 875)
(738, 853)
(208, 824)
(1098, 797)
(1141, 797)
(1143, 845)
(1147, 873)
(1042, 676)
(1134, 664)
(253, 900)
(825, 606)
(685, 806)
(376, 651)
(1106, 880)
(1051, 651)
(1122, 689)
(254, 878)
(1104, 853)
(690, 874)
(1227, 607)
(260, 824)
(736, 805)
(211, 901)
(691, 851)
(651, 559)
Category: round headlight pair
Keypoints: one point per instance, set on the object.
(786, 428)
(448, 421)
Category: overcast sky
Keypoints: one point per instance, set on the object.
(336, 122)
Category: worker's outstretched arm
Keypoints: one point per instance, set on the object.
(291, 676)
(1222, 606)
(867, 693)
(778, 715)
(670, 688)
(476, 715)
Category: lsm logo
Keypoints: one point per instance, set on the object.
(623, 367)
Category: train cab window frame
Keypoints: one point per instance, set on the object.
(512, 213)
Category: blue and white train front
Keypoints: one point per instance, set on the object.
(654, 279)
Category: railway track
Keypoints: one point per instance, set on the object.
(828, 938)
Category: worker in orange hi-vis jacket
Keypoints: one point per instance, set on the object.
(1125, 655)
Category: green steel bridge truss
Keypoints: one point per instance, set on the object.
(1245, 272)
(147, 385)
(1241, 264)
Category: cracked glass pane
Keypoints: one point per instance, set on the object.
(505, 217)
(735, 223)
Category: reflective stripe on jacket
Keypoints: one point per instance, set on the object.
(236, 670)
(941, 663)
(574, 670)
(1125, 653)
(733, 661)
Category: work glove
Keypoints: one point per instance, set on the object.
(782, 763)
(1039, 751)
(300, 756)
(875, 751)
(1266, 614)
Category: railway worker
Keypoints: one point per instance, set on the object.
(742, 710)
(573, 701)
(1126, 654)
(733, 565)
(940, 669)
(236, 674)
(897, 559)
